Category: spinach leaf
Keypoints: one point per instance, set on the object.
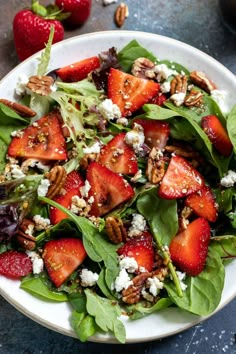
(83, 324)
(231, 127)
(36, 287)
(203, 292)
(103, 285)
(225, 246)
(78, 301)
(161, 215)
(106, 313)
(132, 51)
(174, 66)
(140, 310)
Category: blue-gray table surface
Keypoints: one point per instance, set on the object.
(199, 24)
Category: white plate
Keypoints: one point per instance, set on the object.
(56, 315)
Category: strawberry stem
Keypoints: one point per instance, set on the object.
(38, 9)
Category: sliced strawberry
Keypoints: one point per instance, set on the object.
(189, 248)
(71, 186)
(217, 134)
(129, 92)
(180, 179)
(107, 188)
(141, 249)
(159, 99)
(62, 257)
(14, 264)
(79, 70)
(156, 132)
(43, 140)
(118, 156)
(203, 203)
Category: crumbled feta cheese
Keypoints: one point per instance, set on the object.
(85, 189)
(138, 225)
(43, 187)
(155, 285)
(163, 72)
(37, 261)
(229, 179)
(165, 87)
(128, 263)
(91, 200)
(135, 137)
(122, 281)
(181, 277)
(16, 171)
(17, 133)
(88, 278)
(41, 223)
(21, 84)
(94, 149)
(109, 110)
(146, 295)
(219, 97)
(30, 230)
(178, 98)
(123, 121)
(137, 176)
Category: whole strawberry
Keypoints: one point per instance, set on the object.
(31, 28)
(79, 11)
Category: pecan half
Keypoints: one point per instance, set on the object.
(201, 80)
(115, 229)
(20, 109)
(155, 166)
(132, 294)
(121, 13)
(143, 68)
(87, 158)
(194, 98)
(24, 237)
(57, 177)
(178, 84)
(40, 84)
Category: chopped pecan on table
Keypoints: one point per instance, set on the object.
(87, 158)
(155, 166)
(143, 68)
(194, 98)
(57, 177)
(121, 13)
(40, 84)
(20, 109)
(24, 236)
(115, 229)
(201, 80)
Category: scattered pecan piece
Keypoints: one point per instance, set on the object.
(87, 158)
(132, 294)
(40, 84)
(143, 68)
(178, 84)
(115, 229)
(24, 237)
(20, 109)
(200, 79)
(182, 151)
(57, 177)
(121, 13)
(183, 219)
(160, 273)
(155, 166)
(194, 98)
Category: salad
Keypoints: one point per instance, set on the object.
(117, 188)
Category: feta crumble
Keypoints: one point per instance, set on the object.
(43, 187)
(122, 281)
(165, 87)
(128, 263)
(21, 84)
(109, 110)
(163, 72)
(135, 137)
(41, 223)
(138, 225)
(94, 149)
(88, 278)
(155, 285)
(37, 261)
(178, 98)
(123, 121)
(229, 179)
(181, 277)
(85, 189)
(16, 171)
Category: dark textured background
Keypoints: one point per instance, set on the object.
(199, 24)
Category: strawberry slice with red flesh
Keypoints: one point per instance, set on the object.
(15, 264)
(189, 248)
(203, 204)
(159, 99)
(141, 249)
(108, 189)
(181, 179)
(62, 257)
(79, 70)
(156, 132)
(118, 156)
(129, 92)
(43, 140)
(217, 134)
(71, 187)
